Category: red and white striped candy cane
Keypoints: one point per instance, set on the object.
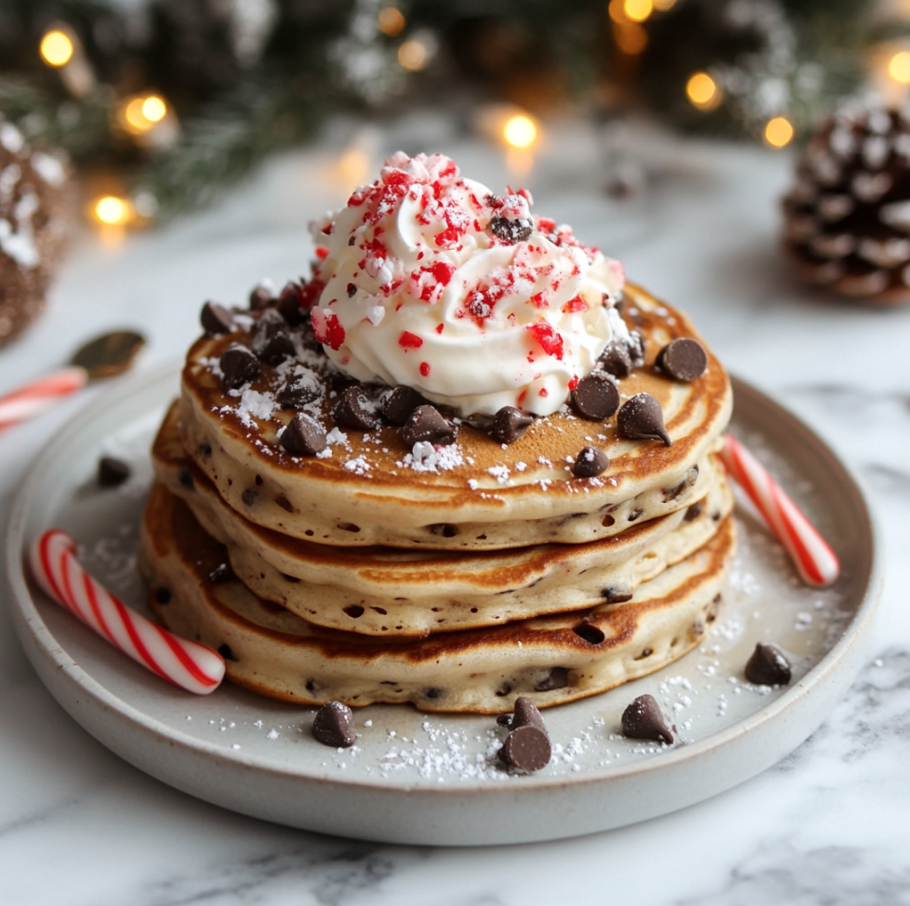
(189, 665)
(41, 394)
(816, 562)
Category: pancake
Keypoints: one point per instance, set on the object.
(387, 591)
(550, 660)
(478, 494)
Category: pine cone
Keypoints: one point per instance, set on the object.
(847, 219)
(34, 214)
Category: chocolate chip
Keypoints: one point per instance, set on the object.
(637, 347)
(249, 496)
(616, 594)
(225, 651)
(511, 230)
(590, 462)
(768, 667)
(427, 424)
(221, 573)
(163, 595)
(683, 359)
(304, 436)
(332, 725)
(615, 360)
(353, 410)
(504, 720)
(596, 397)
(112, 472)
(289, 305)
(269, 324)
(205, 448)
(525, 714)
(185, 477)
(693, 512)
(297, 392)
(527, 748)
(279, 348)
(216, 319)
(509, 424)
(261, 297)
(238, 365)
(558, 678)
(641, 418)
(643, 720)
(398, 405)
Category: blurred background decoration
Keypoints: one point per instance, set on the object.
(161, 105)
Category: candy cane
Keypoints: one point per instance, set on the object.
(41, 394)
(186, 664)
(816, 562)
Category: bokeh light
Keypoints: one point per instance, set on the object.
(520, 131)
(702, 91)
(413, 55)
(390, 21)
(111, 210)
(778, 132)
(56, 48)
(899, 67)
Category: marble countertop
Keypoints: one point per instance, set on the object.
(826, 825)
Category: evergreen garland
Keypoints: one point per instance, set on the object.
(247, 77)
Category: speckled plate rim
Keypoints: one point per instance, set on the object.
(491, 812)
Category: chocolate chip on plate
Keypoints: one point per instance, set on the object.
(303, 436)
(596, 396)
(112, 472)
(643, 720)
(398, 405)
(590, 462)
(509, 424)
(615, 360)
(332, 726)
(527, 748)
(641, 418)
(353, 410)
(768, 667)
(427, 424)
(511, 230)
(526, 714)
(238, 365)
(683, 359)
(216, 319)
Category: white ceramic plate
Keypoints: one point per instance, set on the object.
(435, 779)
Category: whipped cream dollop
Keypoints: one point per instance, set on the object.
(430, 280)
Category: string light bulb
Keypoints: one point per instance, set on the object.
(390, 21)
(520, 131)
(778, 132)
(56, 48)
(413, 55)
(637, 10)
(899, 67)
(703, 92)
(142, 112)
(111, 210)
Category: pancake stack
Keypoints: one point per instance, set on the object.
(332, 553)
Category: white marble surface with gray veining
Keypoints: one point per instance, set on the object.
(829, 825)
